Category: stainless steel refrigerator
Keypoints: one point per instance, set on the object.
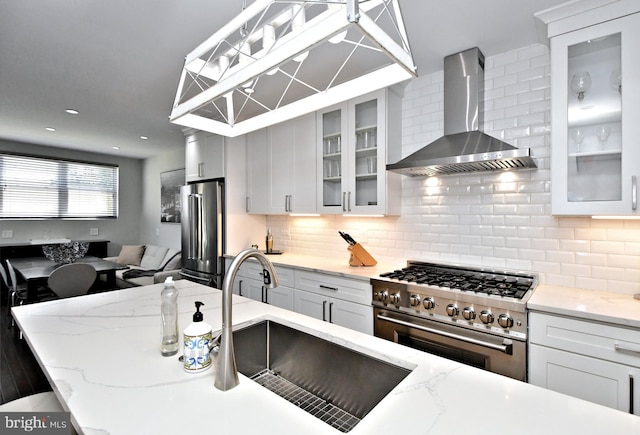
(203, 232)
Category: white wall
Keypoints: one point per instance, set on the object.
(152, 231)
(119, 231)
(489, 219)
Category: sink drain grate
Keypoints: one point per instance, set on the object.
(314, 405)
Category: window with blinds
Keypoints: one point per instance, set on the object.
(42, 188)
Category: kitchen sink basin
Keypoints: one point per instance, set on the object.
(336, 384)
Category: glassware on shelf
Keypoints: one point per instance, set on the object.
(615, 80)
(332, 145)
(581, 83)
(372, 164)
(603, 133)
(331, 168)
(578, 137)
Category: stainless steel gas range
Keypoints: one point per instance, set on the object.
(471, 315)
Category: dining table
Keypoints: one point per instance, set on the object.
(36, 270)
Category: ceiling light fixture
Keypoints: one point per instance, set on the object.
(144, 137)
(72, 111)
(272, 62)
(115, 147)
(50, 129)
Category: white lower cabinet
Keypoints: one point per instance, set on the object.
(590, 360)
(343, 301)
(249, 283)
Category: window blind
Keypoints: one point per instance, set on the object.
(42, 188)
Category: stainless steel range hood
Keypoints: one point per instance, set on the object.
(464, 148)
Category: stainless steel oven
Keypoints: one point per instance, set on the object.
(473, 316)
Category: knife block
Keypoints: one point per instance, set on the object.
(360, 256)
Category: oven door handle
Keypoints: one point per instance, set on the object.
(506, 347)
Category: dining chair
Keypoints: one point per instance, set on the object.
(16, 292)
(72, 279)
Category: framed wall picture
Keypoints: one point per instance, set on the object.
(170, 183)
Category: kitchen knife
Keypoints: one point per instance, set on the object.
(347, 238)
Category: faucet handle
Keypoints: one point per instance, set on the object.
(266, 277)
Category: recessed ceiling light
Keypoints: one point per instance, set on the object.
(116, 148)
(144, 137)
(72, 111)
(50, 129)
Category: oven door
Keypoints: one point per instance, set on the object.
(486, 351)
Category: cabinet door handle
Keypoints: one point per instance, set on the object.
(240, 288)
(324, 310)
(634, 193)
(349, 202)
(264, 295)
(631, 382)
(330, 314)
(200, 170)
(335, 289)
(247, 208)
(344, 201)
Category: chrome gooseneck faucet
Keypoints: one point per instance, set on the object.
(224, 359)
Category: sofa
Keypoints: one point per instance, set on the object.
(147, 264)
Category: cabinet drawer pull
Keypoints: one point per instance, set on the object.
(627, 348)
(634, 193)
(335, 289)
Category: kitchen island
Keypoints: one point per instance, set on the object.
(101, 355)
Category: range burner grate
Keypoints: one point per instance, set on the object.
(309, 402)
(490, 283)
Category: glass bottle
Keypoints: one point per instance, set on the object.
(169, 315)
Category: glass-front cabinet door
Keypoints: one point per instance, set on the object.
(353, 155)
(596, 124)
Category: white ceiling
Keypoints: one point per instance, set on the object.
(118, 62)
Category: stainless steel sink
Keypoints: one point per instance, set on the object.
(336, 384)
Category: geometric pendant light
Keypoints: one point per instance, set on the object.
(280, 59)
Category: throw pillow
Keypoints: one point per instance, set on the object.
(130, 255)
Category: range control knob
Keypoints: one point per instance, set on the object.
(468, 313)
(383, 296)
(505, 321)
(486, 317)
(429, 303)
(415, 300)
(452, 310)
(395, 298)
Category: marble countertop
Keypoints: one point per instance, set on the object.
(616, 308)
(332, 265)
(101, 354)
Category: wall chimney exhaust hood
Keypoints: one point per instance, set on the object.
(280, 59)
(463, 148)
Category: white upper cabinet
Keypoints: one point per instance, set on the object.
(291, 167)
(204, 156)
(355, 140)
(595, 150)
(257, 152)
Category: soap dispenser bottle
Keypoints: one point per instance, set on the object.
(197, 337)
(169, 317)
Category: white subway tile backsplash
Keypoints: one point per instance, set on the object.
(483, 219)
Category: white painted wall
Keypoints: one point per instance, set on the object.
(490, 219)
(152, 231)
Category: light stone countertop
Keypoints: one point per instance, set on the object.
(338, 266)
(616, 308)
(101, 354)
